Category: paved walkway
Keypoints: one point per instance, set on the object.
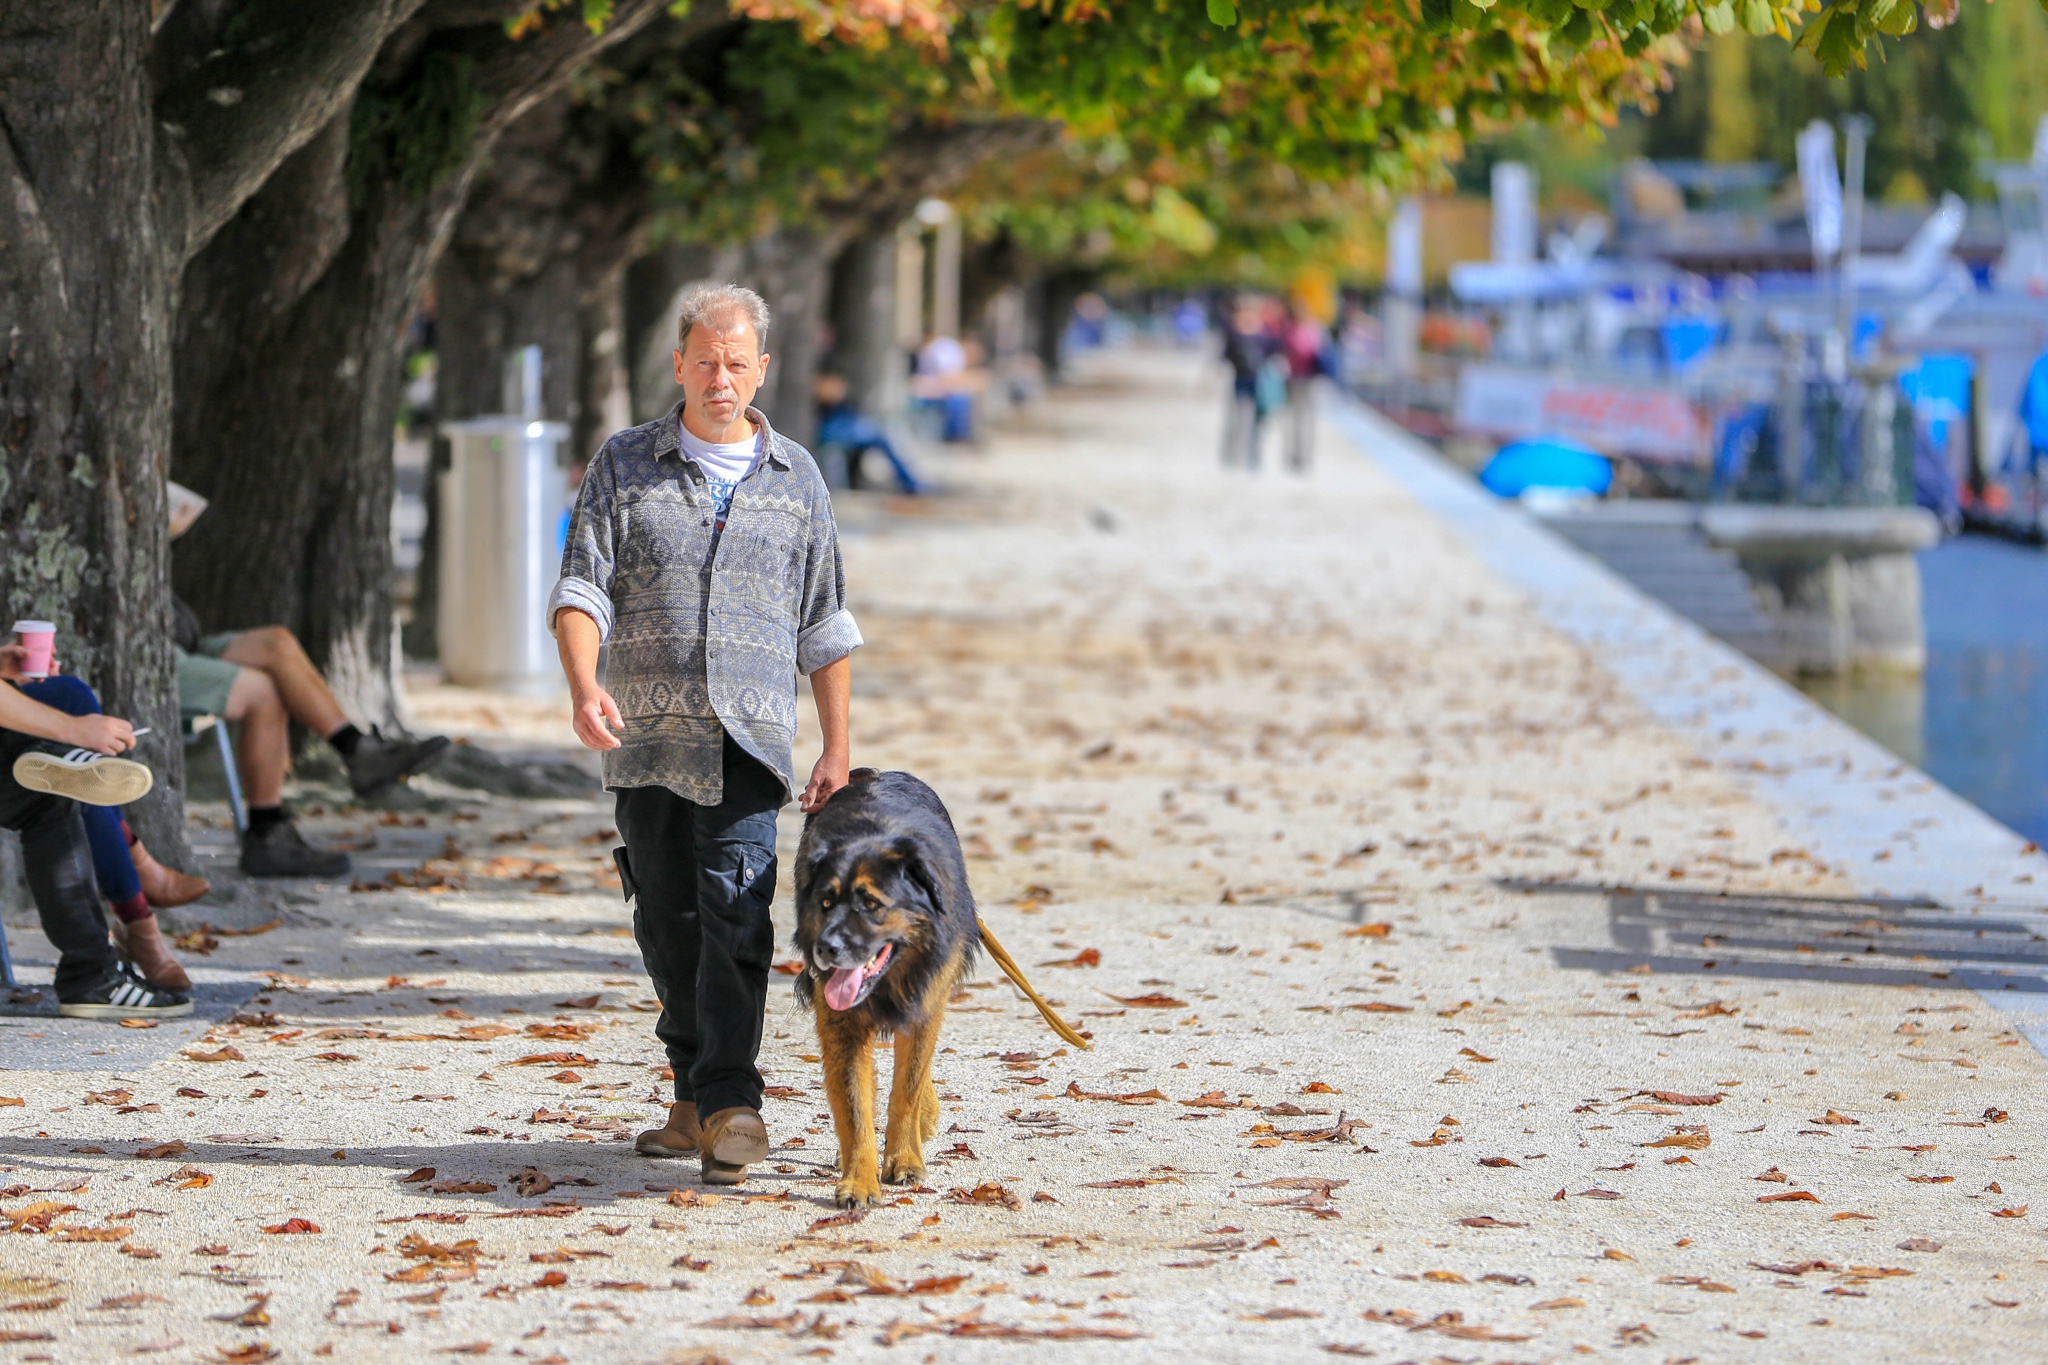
(1262, 771)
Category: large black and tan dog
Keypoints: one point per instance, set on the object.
(886, 927)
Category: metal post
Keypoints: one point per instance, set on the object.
(1401, 325)
(1514, 243)
(910, 285)
(938, 215)
(1856, 137)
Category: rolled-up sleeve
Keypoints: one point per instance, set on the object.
(588, 558)
(826, 632)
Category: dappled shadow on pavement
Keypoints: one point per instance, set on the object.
(1883, 941)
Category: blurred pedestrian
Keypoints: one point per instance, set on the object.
(1247, 346)
(1305, 347)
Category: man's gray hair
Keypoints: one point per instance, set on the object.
(723, 307)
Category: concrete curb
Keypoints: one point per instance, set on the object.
(1847, 798)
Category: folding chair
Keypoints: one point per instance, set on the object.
(195, 726)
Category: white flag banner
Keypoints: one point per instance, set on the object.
(1821, 187)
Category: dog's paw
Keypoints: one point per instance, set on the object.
(856, 1192)
(903, 1169)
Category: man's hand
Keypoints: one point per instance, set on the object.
(828, 775)
(831, 686)
(101, 734)
(593, 712)
(12, 657)
(596, 716)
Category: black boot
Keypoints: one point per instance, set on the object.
(377, 760)
(275, 848)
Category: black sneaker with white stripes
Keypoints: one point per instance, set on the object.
(94, 778)
(124, 995)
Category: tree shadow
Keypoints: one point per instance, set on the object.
(588, 1175)
(1872, 940)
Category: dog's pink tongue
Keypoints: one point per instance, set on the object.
(842, 988)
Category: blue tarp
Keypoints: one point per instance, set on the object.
(2034, 405)
(1546, 464)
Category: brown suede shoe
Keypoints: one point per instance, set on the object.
(679, 1137)
(164, 887)
(142, 943)
(733, 1139)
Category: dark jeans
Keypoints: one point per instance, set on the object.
(112, 864)
(705, 876)
(54, 851)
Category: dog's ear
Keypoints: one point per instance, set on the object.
(807, 872)
(908, 852)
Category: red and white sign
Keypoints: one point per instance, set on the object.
(1643, 420)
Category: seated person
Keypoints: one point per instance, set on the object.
(130, 879)
(262, 680)
(54, 762)
(841, 423)
(942, 382)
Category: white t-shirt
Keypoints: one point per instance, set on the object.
(724, 464)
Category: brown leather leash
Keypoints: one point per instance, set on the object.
(1016, 975)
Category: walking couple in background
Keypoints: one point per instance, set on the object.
(1276, 351)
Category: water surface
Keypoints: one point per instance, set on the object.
(1978, 721)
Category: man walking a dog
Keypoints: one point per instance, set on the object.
(702, 550)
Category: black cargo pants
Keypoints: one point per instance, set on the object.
(703, 878)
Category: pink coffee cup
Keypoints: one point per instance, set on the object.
(39, 638)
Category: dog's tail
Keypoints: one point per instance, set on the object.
(1016, 975)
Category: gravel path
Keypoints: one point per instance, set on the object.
(1255, 769)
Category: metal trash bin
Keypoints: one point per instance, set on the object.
(502, 500)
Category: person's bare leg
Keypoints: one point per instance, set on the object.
(275, 651)
(264, 745)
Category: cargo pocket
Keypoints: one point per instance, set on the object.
(753, 893)
(627, 886)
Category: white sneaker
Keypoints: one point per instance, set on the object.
(124, 995)
(93, 778)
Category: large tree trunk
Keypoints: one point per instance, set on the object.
(864, 349)
(541, 243)
(1051, 299)
(128, 134)
(536, 260)
(295, 449)
(792, 269)
(86, 290)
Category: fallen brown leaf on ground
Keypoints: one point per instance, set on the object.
(1075, 1092)
(987, 1193)
(1693, 1141)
